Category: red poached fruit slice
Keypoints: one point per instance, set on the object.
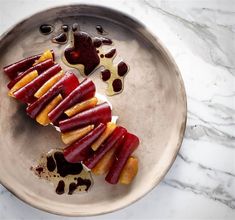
(131, 142)
(26, 93)
(81, 149)
(113, 139)
(40, 67)
(99, 114)
(83, 92)
(14, 69)
(65, 85)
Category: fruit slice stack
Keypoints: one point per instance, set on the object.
(56, 97)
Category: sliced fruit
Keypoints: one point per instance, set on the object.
(24, 81)
(131, 142)
(129, 171)
(45, 56)
(71, 136)
(84, 91)
(41, 67)
(81, 149)
(26, 93)
(14, 69)
(48, 84)
(42, 118)
(68, 80)
(108, 131)
(70, 85)
(105, 163)
(99, 114)
(115, 137)
(90, 103)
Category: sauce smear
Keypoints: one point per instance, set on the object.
(67, 177)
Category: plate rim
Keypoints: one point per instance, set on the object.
(24, 198)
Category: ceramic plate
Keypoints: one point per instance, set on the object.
(152, 105)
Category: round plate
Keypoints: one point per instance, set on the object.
(152, 105)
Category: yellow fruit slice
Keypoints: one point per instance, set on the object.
(81, 106)
(108, 131)
(129, 171)
(105, 163)
(42, 118)
(22, 82)
(48, 84)
(45, 56)
(72, 136)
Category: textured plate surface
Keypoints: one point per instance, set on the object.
(152, 105)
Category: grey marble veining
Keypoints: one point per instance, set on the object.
(201, 37)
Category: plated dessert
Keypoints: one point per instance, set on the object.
(94, 142)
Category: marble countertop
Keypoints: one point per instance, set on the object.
(200, 35)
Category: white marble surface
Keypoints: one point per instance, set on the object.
(201, 37)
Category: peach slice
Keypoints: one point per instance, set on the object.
(48, 84)
(45, 56)
(71, 136)
(105, 163)
(90, 103)
(42, 117)
(129, 171)
(24, 81)
(108, 131)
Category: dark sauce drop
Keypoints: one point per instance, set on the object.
(61, 38)
(84, 182)
(65, 27)
(46, 29)
(72, 188)
(83, 52)
(75, 27)
(122, 68)
(51, 164)
(110, 54)
(60, 187)
(100, 30)
(98, 41)
(102, 55)
(39, 170)
(65, 168)
(106, 41)
(117, 85)
(105, 74)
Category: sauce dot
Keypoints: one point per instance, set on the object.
(50, 163)
(102, 55)
(110, 54)
(117, 85)
(72, 188)
(60, 187)
(105, 75)
(75, 27)
(99, 29)
(65, 28)
(46, 29)
(39, 170)
(122, 68)
(61, 38)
